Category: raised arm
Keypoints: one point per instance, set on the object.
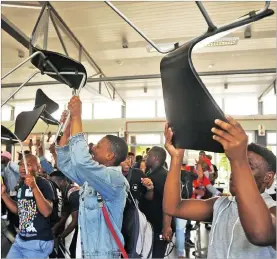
(257, 220)
(63, 155)
(103, 179)
(198, 210)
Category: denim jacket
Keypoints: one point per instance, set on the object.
(76, 163)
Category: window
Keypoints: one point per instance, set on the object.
(271, 138)
(241, 105)
(269, 104)
(218, 100)
(6, 113)
(147, 139)
(250, 136)
(86, 111)
(271, 141)
(95, 138)
(22, 108)
(140, 109)
(161, 109)
(58, 113)
(108, 110)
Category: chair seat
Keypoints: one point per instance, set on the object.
(7, 135)
(62, 63)
(190, 109)
(51, 106)
(25, 122)
(49, 119)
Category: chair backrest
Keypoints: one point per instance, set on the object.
(190, 108)
(62, 63)
(7, 136)
(51, 106)
(25, 122)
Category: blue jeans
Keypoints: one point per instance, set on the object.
(30, 249)
(180, 236)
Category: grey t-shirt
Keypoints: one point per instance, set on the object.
(227, 237)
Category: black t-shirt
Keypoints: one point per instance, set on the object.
(187, 179)
(71, 199)
(32, 224)
(136, 187)
(153, 210)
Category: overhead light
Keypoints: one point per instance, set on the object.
(209, 42)
(223, 42)
(211, 65)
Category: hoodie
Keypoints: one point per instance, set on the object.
(227, 237)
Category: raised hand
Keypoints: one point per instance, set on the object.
(147, 182)
(173, 152)
(30, 181)
(232, 137)
(75, 107)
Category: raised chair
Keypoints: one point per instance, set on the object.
(24, 124)
(190, 108)
(56, 65)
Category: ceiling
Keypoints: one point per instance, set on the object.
(101, 31)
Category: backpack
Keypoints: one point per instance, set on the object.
(137, 231)
(57, 204)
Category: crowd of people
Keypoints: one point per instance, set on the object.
(56, 210)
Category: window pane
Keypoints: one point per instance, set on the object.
(140, 109)
(95, 138)
(86, 111)
(147, 139)
(250, 137)
(108, 110)
(241, 105)
(271, 138)
(6, 113)
(161, 110)
(269, 104)
(58, 113)
(22, 108)
(218, 100)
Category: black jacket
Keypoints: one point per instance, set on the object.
(187, 179)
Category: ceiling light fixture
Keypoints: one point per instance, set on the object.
(226, 41)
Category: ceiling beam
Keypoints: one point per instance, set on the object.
(16, 4)
(14, 32)
(267, 90)
(150, 76)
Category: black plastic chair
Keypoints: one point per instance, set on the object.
(58, 66)
(51, 106)
(24, 124)
(190, 108)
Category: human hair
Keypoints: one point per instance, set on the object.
(59, 175)
(202, 152)
(139, 158)
(266, 154)
(119, 148)
(131, 154)
(147, 149)
(159, 153)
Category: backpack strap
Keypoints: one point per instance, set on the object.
(129, 176)
(71, 190)
(110, 225)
